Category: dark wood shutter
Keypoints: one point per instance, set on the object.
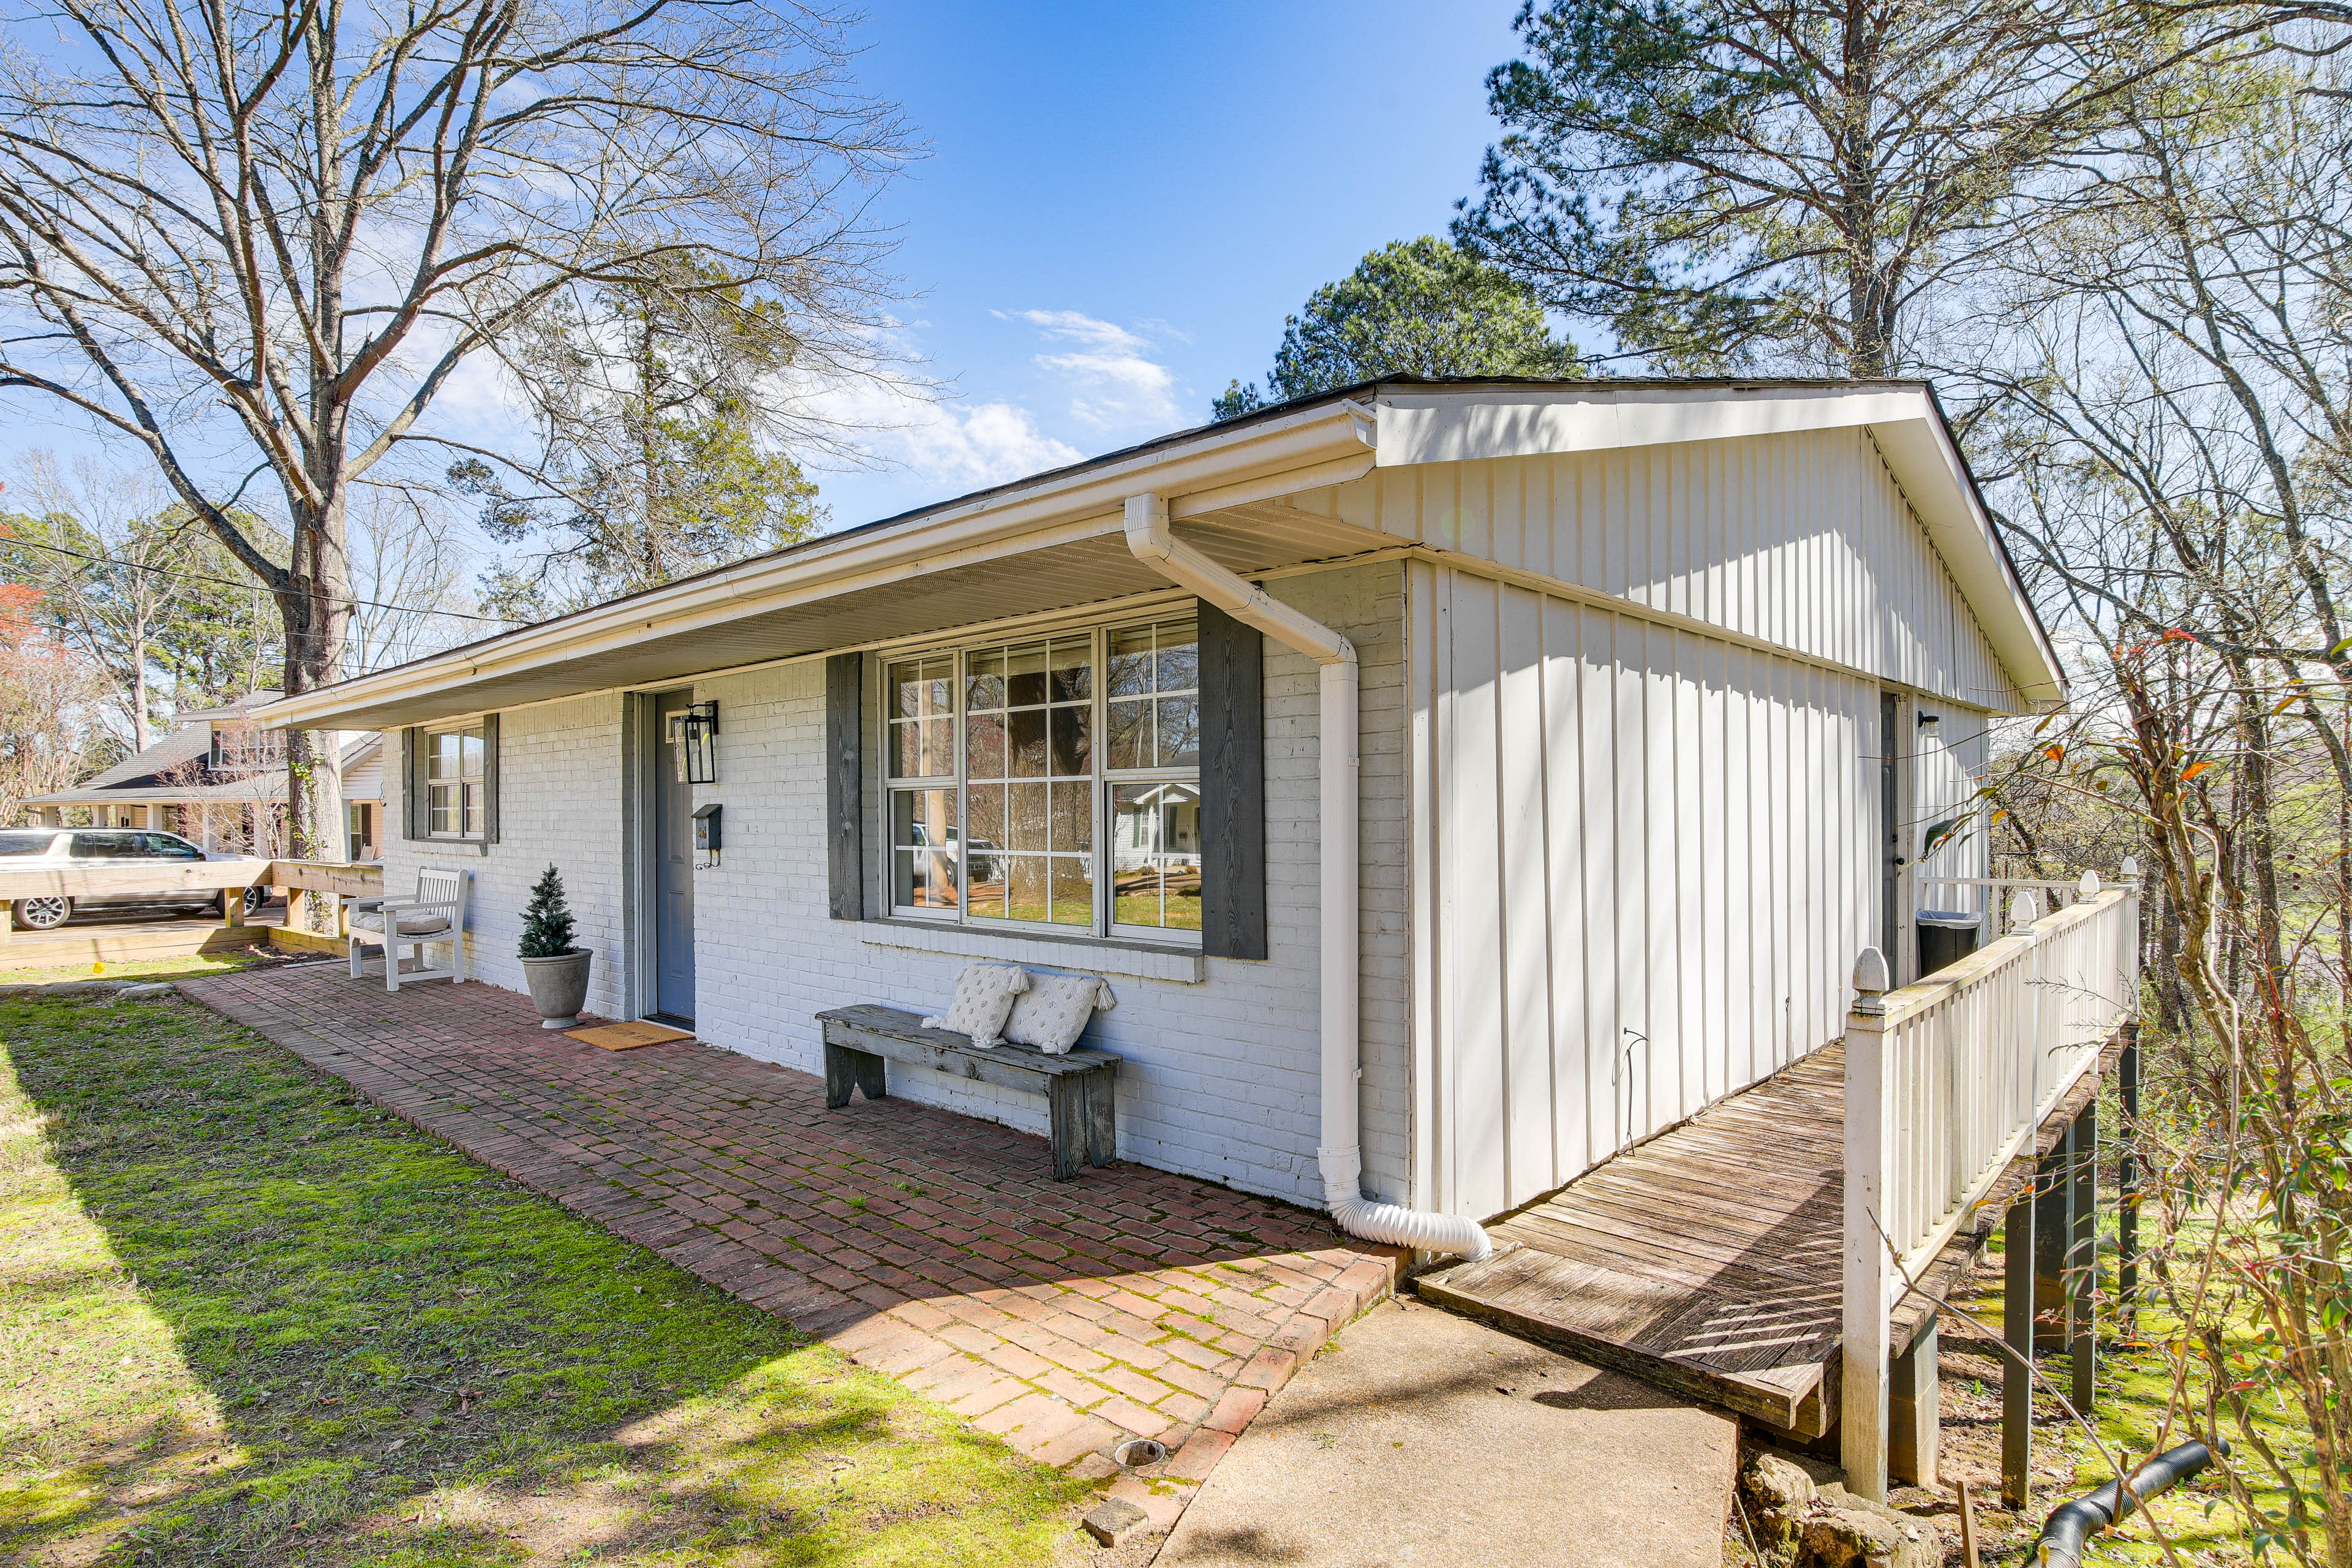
(411, 784)
(845, 784)
(490, 778)
(1232, 787)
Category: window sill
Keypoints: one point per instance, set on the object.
(450, 846)
(1148, 960)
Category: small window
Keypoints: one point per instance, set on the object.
(170, 847)
(108, 845)
(453, 782)
(27, 843)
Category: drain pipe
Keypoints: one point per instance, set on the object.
(2071, 1525)
(1340, 1152)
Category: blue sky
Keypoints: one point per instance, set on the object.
(1121, 203)
(1118, 206)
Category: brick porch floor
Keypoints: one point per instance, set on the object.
(1063, 1316)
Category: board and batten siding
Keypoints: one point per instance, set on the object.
(1644, 863)
(1802, 541)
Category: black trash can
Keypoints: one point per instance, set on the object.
(1946, 937)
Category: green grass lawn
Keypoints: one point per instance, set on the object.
(244, 1318)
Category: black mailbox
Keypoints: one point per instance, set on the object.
(706, 829)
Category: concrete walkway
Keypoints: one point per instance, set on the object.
(1423, 1440)
(1063, 1316)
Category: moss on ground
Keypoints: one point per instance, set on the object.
(243, 1317)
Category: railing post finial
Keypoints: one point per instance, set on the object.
(2131, 869)
(2088, 888)
(2024, 908)
(1872, 980)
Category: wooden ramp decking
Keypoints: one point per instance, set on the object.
(1707, 1259)
(132, 938)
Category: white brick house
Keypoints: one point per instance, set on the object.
(1623, 659)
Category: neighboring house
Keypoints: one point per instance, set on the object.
(1577, 740)
(218, 779)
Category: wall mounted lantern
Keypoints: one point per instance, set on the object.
(1929, 722)
(694, 733)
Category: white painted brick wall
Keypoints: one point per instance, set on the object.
(1219, 1079)
(559, 804)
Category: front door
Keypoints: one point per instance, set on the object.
(673, 866)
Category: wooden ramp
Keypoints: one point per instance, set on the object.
(76, 946)
(1707, 1259)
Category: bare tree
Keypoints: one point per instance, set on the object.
(407, 572)
(46, 701)
(260, 242)
(2169, 439)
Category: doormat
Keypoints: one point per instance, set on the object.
(627, 1036)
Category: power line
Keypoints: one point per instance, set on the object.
(7, 538)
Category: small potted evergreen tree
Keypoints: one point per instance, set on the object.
(556, 971)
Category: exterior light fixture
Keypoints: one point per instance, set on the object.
(1929, 722)
(695, 735)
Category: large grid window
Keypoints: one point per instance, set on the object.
(453, 782)
(1023, 791)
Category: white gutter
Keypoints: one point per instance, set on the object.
(1340, 1150)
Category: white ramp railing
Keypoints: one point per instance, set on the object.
(1946, 1083)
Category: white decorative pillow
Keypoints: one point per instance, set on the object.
(984, 994)
(1054, 1012)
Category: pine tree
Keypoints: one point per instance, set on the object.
(547, 921)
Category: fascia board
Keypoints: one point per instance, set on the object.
(1445, 426)
(1925, 461)
(1320, 443)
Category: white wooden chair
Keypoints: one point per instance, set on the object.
(435, 915)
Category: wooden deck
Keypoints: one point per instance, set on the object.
(77, 946)
(1707, 1259)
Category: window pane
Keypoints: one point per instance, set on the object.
(919, 687)
(1073, 742)
(923, 848)
(1074, 817)
(1027, 827)
(986, 687)
(444, 807)
(473, 810)
(1028, 727)
(1072, 670)
(1130, 662)
(983, 746)
(985, 803)
(470, 743)
(1156, 856)
(1179, 731)
(1073, 877)
(1024, 897)
(1180, 655)
(441, 755)
(905, 752)
(1024, 675)
(1129, 741)
(937, 751)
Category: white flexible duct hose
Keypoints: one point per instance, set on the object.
(1341, 1153)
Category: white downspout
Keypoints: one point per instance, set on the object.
(1340, 1152)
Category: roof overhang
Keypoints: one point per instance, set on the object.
(1056, 541)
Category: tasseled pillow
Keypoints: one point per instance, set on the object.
(983, 998)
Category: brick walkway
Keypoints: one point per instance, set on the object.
(1063, 1316)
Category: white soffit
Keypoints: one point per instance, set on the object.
(1450, 425)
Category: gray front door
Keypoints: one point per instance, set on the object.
(673, 868)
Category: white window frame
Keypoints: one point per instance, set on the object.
(1101, 780)
(473, 794)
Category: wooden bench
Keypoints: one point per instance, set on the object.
(1079, 1106)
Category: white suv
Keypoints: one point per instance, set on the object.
(28, 848)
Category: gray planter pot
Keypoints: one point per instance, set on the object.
(559, 986)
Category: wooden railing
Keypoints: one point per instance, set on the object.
(302, 880)
(1947, 1081)
(1995, 897)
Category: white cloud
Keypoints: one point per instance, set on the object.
(1112, 384)
(985, 444)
